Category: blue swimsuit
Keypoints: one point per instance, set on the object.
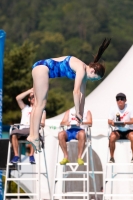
(57, 68)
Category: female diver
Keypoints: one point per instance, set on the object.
(66, 66)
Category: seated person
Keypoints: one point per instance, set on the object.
(76, 132)
(23, 131)
(123, 112)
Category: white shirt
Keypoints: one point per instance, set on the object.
(72, 118)
(25, 117)
(125, 115)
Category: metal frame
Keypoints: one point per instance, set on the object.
(114, 174)
(74, 166)
(18, 179)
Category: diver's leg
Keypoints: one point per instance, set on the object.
(31, 135)
(41, 86)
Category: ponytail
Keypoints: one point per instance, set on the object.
(98, 67)
(102, 48)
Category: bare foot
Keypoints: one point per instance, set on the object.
(29, 138)
(36, 145)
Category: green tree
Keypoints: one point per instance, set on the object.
(55, 28)
(17, 78)
(56, 101)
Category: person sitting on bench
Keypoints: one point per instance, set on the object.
(121, 112)
(23, 132)
(76, 132)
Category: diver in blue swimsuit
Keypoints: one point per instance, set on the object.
(56, 68)
(66, 66)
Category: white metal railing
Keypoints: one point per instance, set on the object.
(20, 173)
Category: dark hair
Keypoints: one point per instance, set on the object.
(98, 67)
(30, 94)
(121, 95)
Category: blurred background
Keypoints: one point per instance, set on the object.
(40, 29)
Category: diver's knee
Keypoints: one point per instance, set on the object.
(41, 104)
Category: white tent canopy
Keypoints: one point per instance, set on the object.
(99, 103)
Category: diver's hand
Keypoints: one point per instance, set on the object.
(79, 118)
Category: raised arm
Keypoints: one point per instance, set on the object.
(82, 98)
(21, 96)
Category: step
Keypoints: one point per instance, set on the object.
(118, 195)
(70, 164)
(71, 179)
(76, 194)
(124, 164)
(21, 194)
(119, 179)
(16, 199)
(10, 164)
(80, 194)
(22, 179)
(82, 172)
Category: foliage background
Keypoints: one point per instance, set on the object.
(39, 29)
